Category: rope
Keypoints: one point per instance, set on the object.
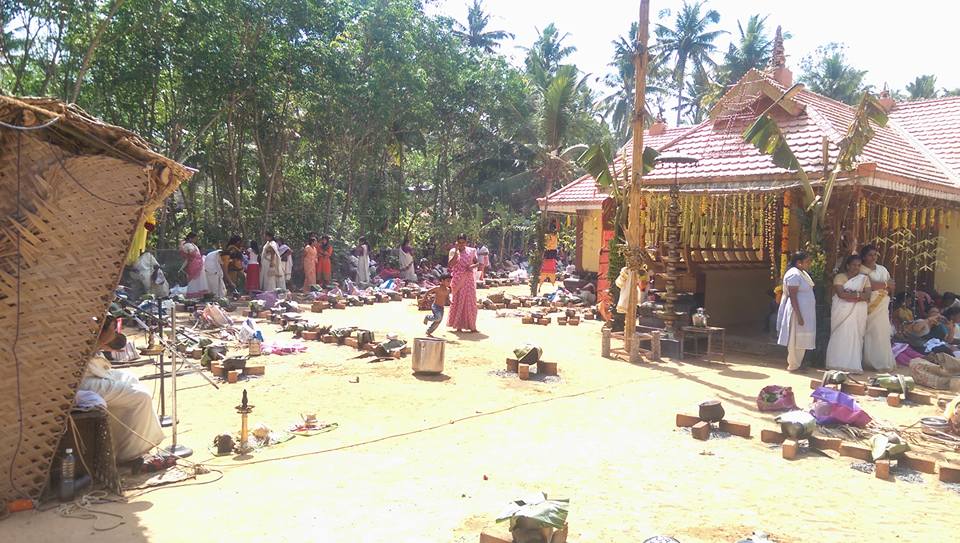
(80, 509)
(433, 427)
(80, 446)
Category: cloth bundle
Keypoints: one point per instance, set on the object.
(834, 407)
(928, 374)
(935, 371)
(776, 398)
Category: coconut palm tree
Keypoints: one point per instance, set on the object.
(617, 107)
(475, 33)
(922, 88)
(752, 50)
(827, 73)
(703, 91)
(688, 42)
(548, 52)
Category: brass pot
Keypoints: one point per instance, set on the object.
(711, 411)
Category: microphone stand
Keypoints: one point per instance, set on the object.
(175, 449)
(165, 421)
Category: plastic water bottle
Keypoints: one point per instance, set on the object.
(67, 471)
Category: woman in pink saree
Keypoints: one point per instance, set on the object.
(193, 266)
(463, 305)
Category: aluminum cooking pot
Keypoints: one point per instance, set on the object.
(797, 424)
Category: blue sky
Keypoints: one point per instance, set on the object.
(893, 44)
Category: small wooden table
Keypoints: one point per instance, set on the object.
(710, 332)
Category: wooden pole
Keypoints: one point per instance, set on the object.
(634, 220)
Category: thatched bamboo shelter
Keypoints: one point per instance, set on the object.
(72, 192)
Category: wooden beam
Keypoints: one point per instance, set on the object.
(634, 220)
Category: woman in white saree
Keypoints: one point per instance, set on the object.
(877, 349)
(848, 317)
(407, 268)
(797, 317)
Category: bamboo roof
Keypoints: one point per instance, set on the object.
(72, 191)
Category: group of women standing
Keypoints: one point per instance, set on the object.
(860, 328)
(316, 262)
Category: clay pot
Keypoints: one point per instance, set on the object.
(711, 411)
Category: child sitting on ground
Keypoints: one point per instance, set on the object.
(440, 294)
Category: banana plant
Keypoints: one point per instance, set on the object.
(766, 136)
(598, 161)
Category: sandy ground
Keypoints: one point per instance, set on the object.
(433, 459)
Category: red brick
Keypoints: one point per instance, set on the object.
(771, 436)
(893, 399)
(329, 338)
(254, 370)
(825, 443)
(949, 473)
(527, 320)
(854, 450)
(918, 462)
(498, 533)
(546, 368)
(876, 392)
(701, 431)
(523, 371)
(922, 398)
(232, 376)
(309, 335)
(854, 388)
(351, 342)
(686, 421)
(882, 469)
(736, 428)
(790, 449)
(512, 365)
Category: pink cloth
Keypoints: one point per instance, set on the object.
(463, 305)
(904, 354)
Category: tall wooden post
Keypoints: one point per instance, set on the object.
(634, 219)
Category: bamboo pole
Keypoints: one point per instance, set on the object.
(634, 220)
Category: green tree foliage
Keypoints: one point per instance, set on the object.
(547, 54)
(750, 51)
(475, 32)
(617, 107)
(344, 116)
(827, 72)
(689, 42)
(922, 88)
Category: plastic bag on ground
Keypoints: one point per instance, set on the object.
(835, 407)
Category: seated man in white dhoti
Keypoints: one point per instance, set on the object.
(133, 421)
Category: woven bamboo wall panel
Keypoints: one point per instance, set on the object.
(73, 236)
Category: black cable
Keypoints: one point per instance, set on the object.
(173, 485)
(28, 128)
(91, 193)
(16, 333)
